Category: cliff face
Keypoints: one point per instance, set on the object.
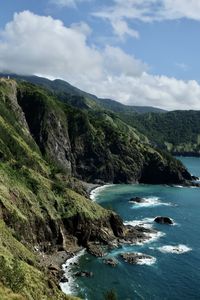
(43, 144)
(93, 146)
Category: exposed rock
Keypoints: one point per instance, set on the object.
(163, 220)
(64, 279)
(96, 250)
(195, 177)
(192, 183)
(117, 225)
(137, 200)
(111, 262)
(134, 258)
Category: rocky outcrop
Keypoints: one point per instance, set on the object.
(163, 220)
(136, 200)
(135, 258)
(111, 262)
(96, 249)
(160, 168)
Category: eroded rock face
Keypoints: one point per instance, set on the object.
(163, 220)
(48, 127)
(96, 249)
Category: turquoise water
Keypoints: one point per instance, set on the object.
(172, 276)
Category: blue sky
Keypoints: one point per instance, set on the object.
(139, 52)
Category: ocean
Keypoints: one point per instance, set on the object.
(174, 271)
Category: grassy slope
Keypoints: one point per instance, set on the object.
(29, 192)
(35, 195)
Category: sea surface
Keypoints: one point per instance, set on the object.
(174, 273)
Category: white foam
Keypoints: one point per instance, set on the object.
(146, 222)
(179, 186)
(95, 192)
(177, 249)
(153, 236)
(151, 201)
(70, 286)
(147, 261)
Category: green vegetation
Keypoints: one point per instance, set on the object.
(77, 98)
(176, 131)
(47, 148)
(12, 275)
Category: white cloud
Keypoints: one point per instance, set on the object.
(37, 44)
(32, 44)
(67, 3)
(117, 62)
(121, 29)
(149, 90)
(82, 27)
(121, 12)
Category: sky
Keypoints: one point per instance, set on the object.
(138, 52)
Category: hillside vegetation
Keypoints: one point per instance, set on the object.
(176, 131)
(46, 147)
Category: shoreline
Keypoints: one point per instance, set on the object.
(68, 286)
(94, 191)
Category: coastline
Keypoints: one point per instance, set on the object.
(68, 285)
(67, 262)
(96, 190)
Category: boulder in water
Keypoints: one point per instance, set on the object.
(163, 220)
(111, 262)
(137, 200)
(134, 258)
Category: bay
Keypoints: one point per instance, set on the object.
(175, 274)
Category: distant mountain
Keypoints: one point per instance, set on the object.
(175, 131)
(78, 98)
(119, 107)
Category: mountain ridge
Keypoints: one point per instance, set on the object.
(63, 89)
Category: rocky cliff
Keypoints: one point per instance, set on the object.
(94, 146)
(45, 148)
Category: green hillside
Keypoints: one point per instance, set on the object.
(46, 147)
(74, 96)
(176, 131)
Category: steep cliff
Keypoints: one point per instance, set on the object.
(93, 146)
(45, 148)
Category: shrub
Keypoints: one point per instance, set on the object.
(12, 275)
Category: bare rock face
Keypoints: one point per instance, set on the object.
(10, 98)
(48, 127)
(96, 249)
(163, 220)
